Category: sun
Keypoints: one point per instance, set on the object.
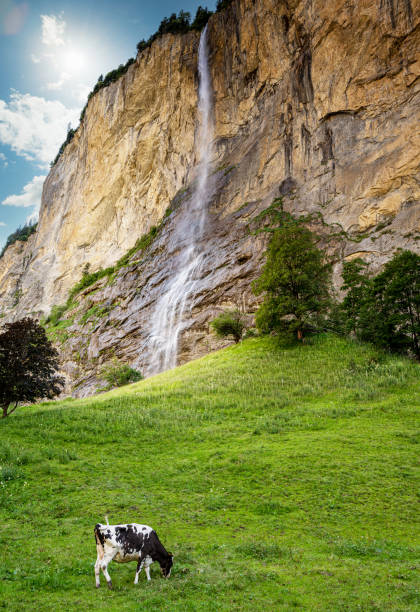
(72, 61)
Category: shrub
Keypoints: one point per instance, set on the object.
(230, 323)
(117, 374)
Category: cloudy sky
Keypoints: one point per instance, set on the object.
(52, 53)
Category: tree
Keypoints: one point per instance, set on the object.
(230, 323)
(385, 309)
(295, 280)
(28, 365)
(357, 285)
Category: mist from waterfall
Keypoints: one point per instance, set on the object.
(167, 321)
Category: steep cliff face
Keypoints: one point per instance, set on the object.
(114, 181)
(315, 101)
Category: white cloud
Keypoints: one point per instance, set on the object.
(2, 224)
(3, 158)
(34, 127)
(30, 196)
(58, 84)
(53, 28)
(35, 59)
(54, 86)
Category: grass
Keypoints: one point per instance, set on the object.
(282, 478)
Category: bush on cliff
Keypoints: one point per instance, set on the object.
(118, 374)
(229, 323)
(22, 233)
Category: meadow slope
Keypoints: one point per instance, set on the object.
(281, 478)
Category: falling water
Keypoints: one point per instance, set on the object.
(168, 318)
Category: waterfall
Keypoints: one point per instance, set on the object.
(167, 321)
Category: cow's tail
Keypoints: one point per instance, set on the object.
(99, 541)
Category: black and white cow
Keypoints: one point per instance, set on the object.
(130, 542)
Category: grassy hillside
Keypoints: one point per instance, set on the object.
(281, 478)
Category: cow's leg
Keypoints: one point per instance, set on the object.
(97, 571)
(147, 570)
(104, 567)
(100, 554)
(140, 564)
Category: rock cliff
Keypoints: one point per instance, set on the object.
(314, 101)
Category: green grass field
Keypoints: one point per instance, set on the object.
(281, 478)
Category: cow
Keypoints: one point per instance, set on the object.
(129, 542)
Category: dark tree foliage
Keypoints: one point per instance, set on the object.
(175, 24)
(222, 4)
(385, 309)
(28, 365)
(22, 233)
(229, 323)
(201, 18)
(295, 280)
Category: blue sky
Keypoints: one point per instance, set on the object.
(52, 53)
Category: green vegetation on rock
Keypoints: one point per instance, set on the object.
(90, 278)
(281, 478)
(22, 234)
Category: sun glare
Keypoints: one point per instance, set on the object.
(72, 61)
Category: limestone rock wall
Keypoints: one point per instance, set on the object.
(315, 101)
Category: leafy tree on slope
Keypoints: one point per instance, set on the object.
(295, 280)
(28, 365)
(385, 309)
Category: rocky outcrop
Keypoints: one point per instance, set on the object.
(315, 101)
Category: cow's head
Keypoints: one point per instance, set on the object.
(166, 566)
